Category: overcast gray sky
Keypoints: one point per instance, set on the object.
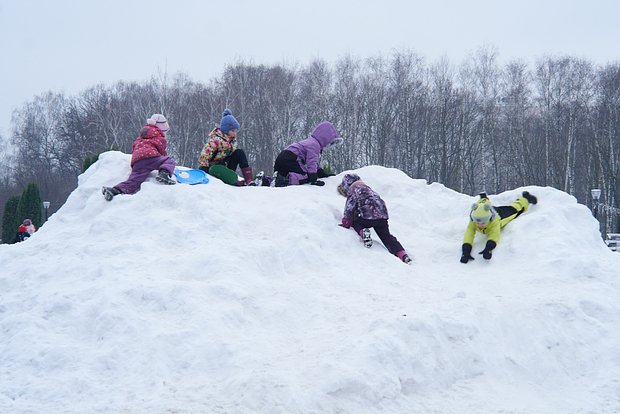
(69, 45)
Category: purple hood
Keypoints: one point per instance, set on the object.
(325, 133)
(308, 151)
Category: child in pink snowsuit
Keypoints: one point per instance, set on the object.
(364, 210)
(148, 153)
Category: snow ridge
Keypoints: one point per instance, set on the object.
(214, 299)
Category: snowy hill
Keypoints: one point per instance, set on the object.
(215, 299)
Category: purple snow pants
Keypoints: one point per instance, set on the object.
(141, 170)
(383, 231)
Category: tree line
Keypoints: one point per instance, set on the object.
(477, 126)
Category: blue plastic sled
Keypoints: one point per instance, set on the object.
(191, 177)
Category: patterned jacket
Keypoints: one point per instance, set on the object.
(217, 149)
(363, 202)
(151, 143)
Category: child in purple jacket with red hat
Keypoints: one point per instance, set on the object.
(364, 210)
(148, 153)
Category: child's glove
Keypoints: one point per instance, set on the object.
(487, 252)
(466, 257)
(346, 223)
(312, 179)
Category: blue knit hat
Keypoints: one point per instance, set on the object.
(228, 121)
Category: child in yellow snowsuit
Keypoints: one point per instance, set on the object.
(489, 220)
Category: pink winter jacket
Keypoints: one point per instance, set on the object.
(151, 143)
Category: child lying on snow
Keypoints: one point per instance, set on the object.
(148, 153)
(489, 220)
(364, 209)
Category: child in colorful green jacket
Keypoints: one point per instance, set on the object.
(220, 156)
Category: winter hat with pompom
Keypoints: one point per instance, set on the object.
(482, 212)
(228, 121)
(159, 121)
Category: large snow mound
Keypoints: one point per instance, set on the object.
(215, 299)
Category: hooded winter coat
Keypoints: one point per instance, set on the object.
(362, 201)
(308, 151)
(151, 143)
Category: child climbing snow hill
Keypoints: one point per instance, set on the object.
(364, 209)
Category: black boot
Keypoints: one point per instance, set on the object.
(530, 198)
(281, 180)
(258, 180)
(110, 192)
(164, 177)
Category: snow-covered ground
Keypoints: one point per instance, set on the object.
(214, 299)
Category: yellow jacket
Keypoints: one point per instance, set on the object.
(502, 216)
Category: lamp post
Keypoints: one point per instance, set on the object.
(46, 206)
(596, 195)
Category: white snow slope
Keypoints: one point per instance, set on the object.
(215, 299)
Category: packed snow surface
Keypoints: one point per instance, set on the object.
(215, 299)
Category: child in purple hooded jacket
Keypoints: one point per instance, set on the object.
(364, 210)
(299, 162)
